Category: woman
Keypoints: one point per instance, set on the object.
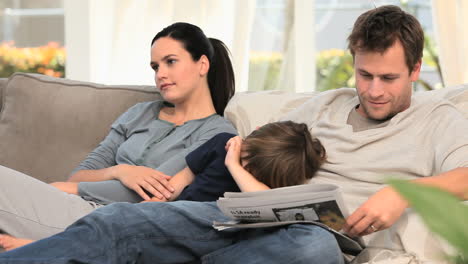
(145, 145)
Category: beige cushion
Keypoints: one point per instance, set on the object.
(48, 125)
(458, 95)
(247, 110)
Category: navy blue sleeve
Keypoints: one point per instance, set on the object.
(201, 157)
(212, 178)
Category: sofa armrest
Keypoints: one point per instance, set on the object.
(48, 125)
(3, 82)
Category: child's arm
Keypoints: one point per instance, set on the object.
(246, 181)
(178, 182)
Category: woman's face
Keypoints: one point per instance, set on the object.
(177, 75)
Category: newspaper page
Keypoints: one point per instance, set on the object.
(318, 204)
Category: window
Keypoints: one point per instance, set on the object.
(334, 63)
(271, 26)
(275, 21)
(32, 37)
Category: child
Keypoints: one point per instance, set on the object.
(275, 155)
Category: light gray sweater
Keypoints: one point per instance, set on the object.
(138, 137)
(428, 138)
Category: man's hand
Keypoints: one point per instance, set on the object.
(379, 212)
(141, 179)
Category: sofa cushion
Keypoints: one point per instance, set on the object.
(247, 110)
(458, 95)
(48, 125)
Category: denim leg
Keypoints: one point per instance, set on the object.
(175, 232)
(307, 244)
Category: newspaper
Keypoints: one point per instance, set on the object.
(317, 204)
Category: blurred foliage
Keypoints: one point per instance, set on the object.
(442, 212)
(431, 59)
(334, 69)
(48, 59)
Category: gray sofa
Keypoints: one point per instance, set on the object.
(48, 125)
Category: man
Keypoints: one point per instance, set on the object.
(380, 132)
(383, 132)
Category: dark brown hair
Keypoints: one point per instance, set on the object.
(221, 74)
(377, 30)
(282, 154)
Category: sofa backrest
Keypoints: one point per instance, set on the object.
(457, 94)
(248, 110)
(48, 125)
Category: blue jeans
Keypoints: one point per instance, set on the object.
(175, 232)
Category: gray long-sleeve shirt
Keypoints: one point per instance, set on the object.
(138, 137)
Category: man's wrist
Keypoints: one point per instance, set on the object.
(398, 196)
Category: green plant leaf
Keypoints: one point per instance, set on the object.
(443, 213)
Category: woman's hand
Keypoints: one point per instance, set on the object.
(68, 187)
(233, 148)
(379, 212)
(144, 180)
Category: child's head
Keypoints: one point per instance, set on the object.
(282, 154)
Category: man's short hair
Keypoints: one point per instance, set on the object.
(377, 30)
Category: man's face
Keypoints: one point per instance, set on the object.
(383, 82)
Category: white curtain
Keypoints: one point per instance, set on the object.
(451, 28)
(296, 53)
(298, 67)
(108, 41)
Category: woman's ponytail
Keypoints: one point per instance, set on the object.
(220, 76)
